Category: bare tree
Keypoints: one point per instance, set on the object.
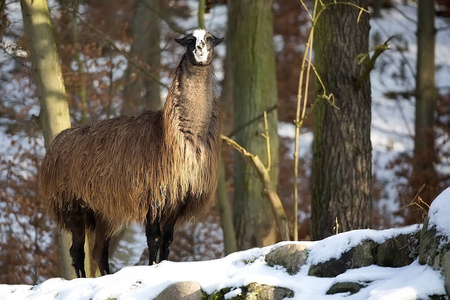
(46, 70)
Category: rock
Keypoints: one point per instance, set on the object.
(364, 254)
(435, 237)
(435, 251)
(446, 271)
(344, 287)
(361, 255)
(332, 267)
(397, 252)
(292, 257)
(186, 290)
(433, 246)
(254, 291)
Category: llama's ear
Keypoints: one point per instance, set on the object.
(217, 41)
(184, 41)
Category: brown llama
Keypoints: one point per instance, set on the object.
(154, 167)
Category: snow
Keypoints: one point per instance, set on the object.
(414, 281)
(439, 213)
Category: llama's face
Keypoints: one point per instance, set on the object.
(200, 46)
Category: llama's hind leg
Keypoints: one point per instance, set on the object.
(153, 234)
(101, 247)
(77, 251)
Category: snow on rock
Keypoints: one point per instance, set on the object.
(343, 242)
(439, 213)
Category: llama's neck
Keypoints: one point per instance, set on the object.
(191, 100)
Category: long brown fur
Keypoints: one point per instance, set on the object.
(163, 163)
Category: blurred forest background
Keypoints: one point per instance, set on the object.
(117, 57)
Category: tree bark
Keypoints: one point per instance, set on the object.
(341, 174)
(254, 91)
(424, 149)
(46, 70)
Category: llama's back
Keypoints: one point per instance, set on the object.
(103, 166)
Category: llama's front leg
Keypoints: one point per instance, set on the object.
(167, 238)
(153, 234)
(101, 247)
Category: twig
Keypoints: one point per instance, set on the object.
(270, 109)
(267, 137)
(418, 201)
(163, 17)
(336, 227)
(371, 64)
(111, 42)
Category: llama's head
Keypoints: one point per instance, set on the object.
(199, 46)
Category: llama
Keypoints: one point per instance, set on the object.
(155, 167)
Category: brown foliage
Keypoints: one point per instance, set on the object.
(417, 190)
(27, 252)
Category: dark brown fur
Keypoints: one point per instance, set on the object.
(148, 167)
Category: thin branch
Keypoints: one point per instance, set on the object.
(379, 49)
(172, 25)
(270, 109)
(405, 15)
(111, 42)
(267, 137)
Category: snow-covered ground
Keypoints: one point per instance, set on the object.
(414, 281)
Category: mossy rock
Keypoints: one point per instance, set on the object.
(397, 252)
(255, 291)
(292, 257)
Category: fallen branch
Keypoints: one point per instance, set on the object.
(269, 190)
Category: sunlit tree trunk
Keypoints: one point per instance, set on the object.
(342, 158)
(46, 70)
(424, 172)
(254, 91)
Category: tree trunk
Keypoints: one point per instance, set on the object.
(341, 174)
(254, 91)
(424, 149)
(54, 116)
(141, 92)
